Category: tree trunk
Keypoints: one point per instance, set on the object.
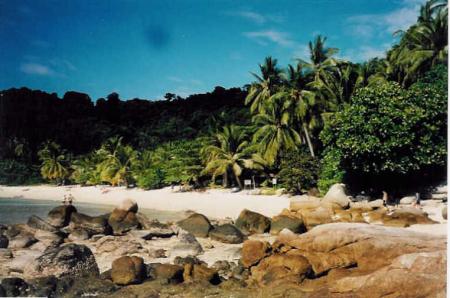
(238, 181)
(308, 140)
(225, 179)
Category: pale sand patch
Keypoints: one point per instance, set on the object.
(213, 203)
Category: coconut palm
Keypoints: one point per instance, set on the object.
(275, 131)
(229, 155)
(265, 85)
(116, 166)
(424, 44)
(54, 162)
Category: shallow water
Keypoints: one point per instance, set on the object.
(14, 210)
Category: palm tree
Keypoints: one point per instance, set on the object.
(275, 131)
(303, 102)
(320, 59)
(229, 154)
(116, 167)
(424, 44)
(265, 85)
(54, 162)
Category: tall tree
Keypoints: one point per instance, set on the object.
(265, 85)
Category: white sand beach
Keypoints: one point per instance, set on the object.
(214, 203)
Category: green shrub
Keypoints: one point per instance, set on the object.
(151, 179)
(298, 171)
(330, 170)
(388, 131)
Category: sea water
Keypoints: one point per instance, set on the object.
(17, 210)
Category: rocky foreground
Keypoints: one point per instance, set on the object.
(329, 247)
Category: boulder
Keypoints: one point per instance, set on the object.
(93, 225)
(253, 251)
(151, 233)
(196, 224)
(21, 241)
(43, 286)
(165, 273)
(66, 260)
(315, 217)
(3, 241)
(38, 223)
(49, 239)
(147, 223)
(200, 273)
(407, 200)
(14, 286)
(444, 212)
(280, 268)
(375, 204)
(128, 205)
(227, 233)
(128, 270)
(409, 275)
(362, 206)
(303, 202)
(78, 235)
(60, 216)
(337, 195)
(406, 216)
(370, 247)
(187, 245)
(250, 222)
(122, 221)
(293, 223)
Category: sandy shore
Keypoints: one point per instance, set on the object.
(213, 203)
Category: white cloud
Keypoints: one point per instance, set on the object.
(264, 37)
(366, 26)
(251, 16)
(302, 52)
(365, 52)
(36, 69)
(174, 79)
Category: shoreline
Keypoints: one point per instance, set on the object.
(214, 203)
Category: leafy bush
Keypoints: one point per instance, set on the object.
(13, 172)
(298, 171)
(388, 130)
(151, 179)
(330, 170)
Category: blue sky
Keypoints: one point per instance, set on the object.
(147, 48)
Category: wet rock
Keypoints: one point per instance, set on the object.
(128, 270)
(14, 286)
(69, 286)
(43, 286)
(67, 260)
(128, 205)
(60, 216)
(3, 241)
(250, 222)
(21, 241)
(91, 224)
(253, 251)
(196, 224)
(38, 223)
(187, 245)
(165, 273)
(122, 221)
(293, 223)
(337, 195)
(200, 273)
(148, 234)
(227, 233)
(280, 267)
(2, 292)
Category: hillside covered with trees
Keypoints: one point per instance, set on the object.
(377, 125)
